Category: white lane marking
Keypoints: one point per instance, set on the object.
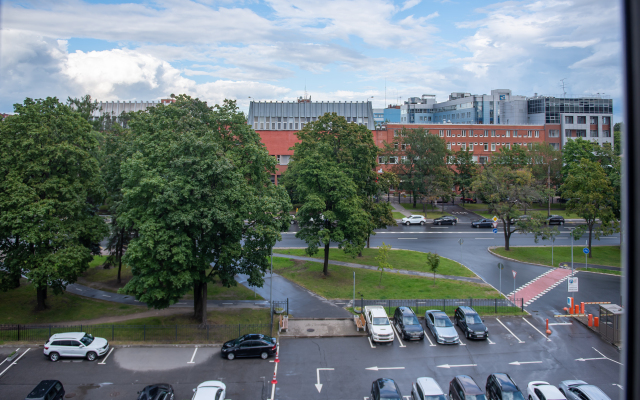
(319, 385)
(454, 366)
(370, 342)
(193, 356)
(525, 362)
(512, 334)
(407, 238)
(398, 336)
(104, 295)
(543, 335)
(79, 290)
(427, 336)
(378, 369)
(484, 238)
(104, 360)
(597, 358)
(490, 342)
(439, 227)
(461, 342)
(15, 362)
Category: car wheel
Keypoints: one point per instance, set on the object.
(453, 223)
(53, 356)
(439, 223)
(466, 334)
(407, 223)
(91, 356)
(231, 356)
(421, 222)
(264, 355)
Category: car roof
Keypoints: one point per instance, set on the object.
(68, 335)
(207, 390)
(406, 310)
(505, 382)
(439, 314)
(467, 310)
(429, 386)
(413, 215)
(378, 312)
(593, 392)
(41, 389)
(549, 390)
(387, 386)
(470, 386)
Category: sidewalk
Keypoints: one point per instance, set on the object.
(304, 328)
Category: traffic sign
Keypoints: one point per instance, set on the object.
(585, 250)
(500, 265)
(460, 241)
(495, 219)
(514, 274)
(495, 230)
(572, 284)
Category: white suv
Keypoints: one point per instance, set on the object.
(414, 219)
(75, 344)
(210, 390)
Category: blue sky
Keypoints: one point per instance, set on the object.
(341, 50)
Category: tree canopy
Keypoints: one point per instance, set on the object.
(465, 170)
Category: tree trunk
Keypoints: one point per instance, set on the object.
(41, 295)
(413, 195)
(368, 241)
(203, 320)
(197, 300)
(590, 231)
(119, 254)
(507, 235)
(325, 270)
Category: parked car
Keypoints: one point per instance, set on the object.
(427, 389)
(75, 344)
(470, 322)
(581, 390)
(210, 390)
(463, 387)
(482, 223)
(47, 390)
(501, 387)
(158, 391)
(249, 345)
(385, 388)
(540, 390)
(441, 327)
(445, 220)
(515, 220)
(555, 220)
(407, 324)
(414, 219)
(378, 324)
(468, 200)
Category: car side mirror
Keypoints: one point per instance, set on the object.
(194, 390)
(81, 345)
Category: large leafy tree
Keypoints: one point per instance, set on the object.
(333, 176)
(465, 170)
(506, 190)
(49, 194)
(197, 191)
(591, 197)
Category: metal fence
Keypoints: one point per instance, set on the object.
(281, 307)
(482, 306)
(136, 333)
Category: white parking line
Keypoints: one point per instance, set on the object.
(105, 358)
(543, 335)
(427, 336)
(484, 238)
(407, 238)
(193, 356)
(490, 342)
(370, 342)
(505, 327)
(15, 362)
(398, 336)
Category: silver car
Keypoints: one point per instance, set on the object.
(581, 390)
(441, 327)
(427, 389)
(75, 344)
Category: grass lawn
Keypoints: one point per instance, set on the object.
(339, 283)
(232, 316)
(398, 215)
(17, 307)
(400, 259)
(602, 255)
(106, 279)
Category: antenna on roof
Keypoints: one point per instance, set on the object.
(564, 93)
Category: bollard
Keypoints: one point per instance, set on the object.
(566, 310)
(590, 320)
(571, 303)
(582, 307)
(548, 330)
(577, 309)
(571, 310)
(596, 322)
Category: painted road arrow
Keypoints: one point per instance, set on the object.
(379, 369)
(525, 362)
(319, 385)
(454, 366)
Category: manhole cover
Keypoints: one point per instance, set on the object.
(310, 330)
(69, 395)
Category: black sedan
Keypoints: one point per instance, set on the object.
(158, 391)
(445, 220)
(470, 323)
(385, 388)
(482, 223)
(249, 345)
(555, 220)
(407, 324)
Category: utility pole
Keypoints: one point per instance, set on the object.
(549, 187)
(271, 283)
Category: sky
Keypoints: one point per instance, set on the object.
(332, 50)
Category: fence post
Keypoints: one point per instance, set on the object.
(471, 301)
(113, 334)
(287, 306)
(176, 332)
(522, 304)
(19, 331)
(444, 305)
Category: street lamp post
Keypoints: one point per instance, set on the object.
(271, 286)
(549, 187)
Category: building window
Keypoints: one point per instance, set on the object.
(508, 145)
(515, 133)
(582, 119)
(393, 160)
(395, 146)
(486, 133)
(448, 146)
(581, 133)
(470, 133)
(278, 160)
(395, 133)
(555, 145)
(448, 133)
(493, 133)
(403, 159)
(483, 159)
(381, 159)
(279, 125)
(470, 146)
(530, 145)
(568, 119)
(606, 133)
(537, 134)
(464, 146)
(273, 179)
(593, 120)
(464, 133)
(296, 125)
(606, 120)
(594, 133)
(528, 133)
(273, 125)
(554, 133)
(493, 147)
(261, 125)
(441, 133)
(403, 146)
(486, 147)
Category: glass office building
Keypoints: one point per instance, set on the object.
(552, 107)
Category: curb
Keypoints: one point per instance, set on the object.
(513, 259)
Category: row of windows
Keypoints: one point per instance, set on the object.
(463, 146)
(582, 119)
(583, 133)
(295, 123)
(463, 133)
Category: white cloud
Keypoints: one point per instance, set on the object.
(410, 4)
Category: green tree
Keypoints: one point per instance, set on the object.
(591, 197)
(333, 175)
(617, 138)
(506, 190)
(465, 170)
(197, 191)
(433, 261)
(383, 259)
(49, 195)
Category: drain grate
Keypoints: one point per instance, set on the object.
(310, 330)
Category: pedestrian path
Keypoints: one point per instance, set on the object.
(536, 288)
(374, 268)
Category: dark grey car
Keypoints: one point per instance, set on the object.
(581, 390)
(470, 323)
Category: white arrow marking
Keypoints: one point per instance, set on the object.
(453, 366)
(598, 358)
(378, 369)
(319, 385)
(525, 362)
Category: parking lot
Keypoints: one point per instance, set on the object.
(344, 367)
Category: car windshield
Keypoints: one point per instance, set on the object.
(473, 319)
(475, 397)
(380, 321)
(438, 397)
(411, 320)
(442, 322)
(512, 396)
(87, 339)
